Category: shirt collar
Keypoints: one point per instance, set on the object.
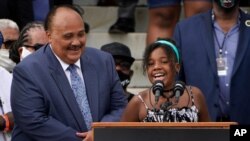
(65, 65)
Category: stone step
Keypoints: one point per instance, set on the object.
(136, 41)
(101, 18)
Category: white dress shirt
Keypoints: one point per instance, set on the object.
(5, 84)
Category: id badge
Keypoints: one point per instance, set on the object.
(221, 66)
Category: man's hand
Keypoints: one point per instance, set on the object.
(87, 136)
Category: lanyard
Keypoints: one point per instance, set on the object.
(216, 37)
(223, 42)
(225, 34)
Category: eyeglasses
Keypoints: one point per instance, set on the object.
(36, 46)
(123, 64)
(8, 43)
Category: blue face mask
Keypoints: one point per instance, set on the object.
(1, 39)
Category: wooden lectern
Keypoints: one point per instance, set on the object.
(165, 131)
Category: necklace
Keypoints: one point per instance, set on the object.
(168, 93)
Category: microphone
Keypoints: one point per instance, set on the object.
(158, 89)
(179, 89)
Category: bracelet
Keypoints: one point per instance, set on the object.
(3, 124)
(7, 123)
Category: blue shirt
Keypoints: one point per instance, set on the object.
(229, 49)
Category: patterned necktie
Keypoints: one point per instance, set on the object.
(79, 90)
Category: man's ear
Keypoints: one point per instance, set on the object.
(48, 33)
(20, 50)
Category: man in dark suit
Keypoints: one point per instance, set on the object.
(43, 101)
(215, 50)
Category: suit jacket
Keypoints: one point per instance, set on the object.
(43, 102)
(194, 37)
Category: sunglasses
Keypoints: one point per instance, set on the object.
(123, 64)
(36, 46)
(8, 43)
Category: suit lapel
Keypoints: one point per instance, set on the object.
(91, 83)
(242, 43)
(62, 83)
(208, 40)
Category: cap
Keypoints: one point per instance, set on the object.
(118, 50)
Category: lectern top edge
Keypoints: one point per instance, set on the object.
(163, 124)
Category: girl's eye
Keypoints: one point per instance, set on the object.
(164, 61)
(150, 63)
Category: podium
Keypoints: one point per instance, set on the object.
(165, 131)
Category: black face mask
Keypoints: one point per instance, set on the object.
(124, 78)
(227, 5)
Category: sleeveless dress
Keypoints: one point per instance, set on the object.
(184, 114)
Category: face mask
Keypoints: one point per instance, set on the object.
(227, 5)
(124, 78)
(5, 61)
(25, 53)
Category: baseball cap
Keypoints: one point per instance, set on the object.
(118, 50)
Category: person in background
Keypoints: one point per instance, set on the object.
(6, 117)
(10, 33)
(216, 59)
(32, 37)
(164, 14)
(123, 62)
(34, 10)
(59, 90)
(161, 62)
(126, 17)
